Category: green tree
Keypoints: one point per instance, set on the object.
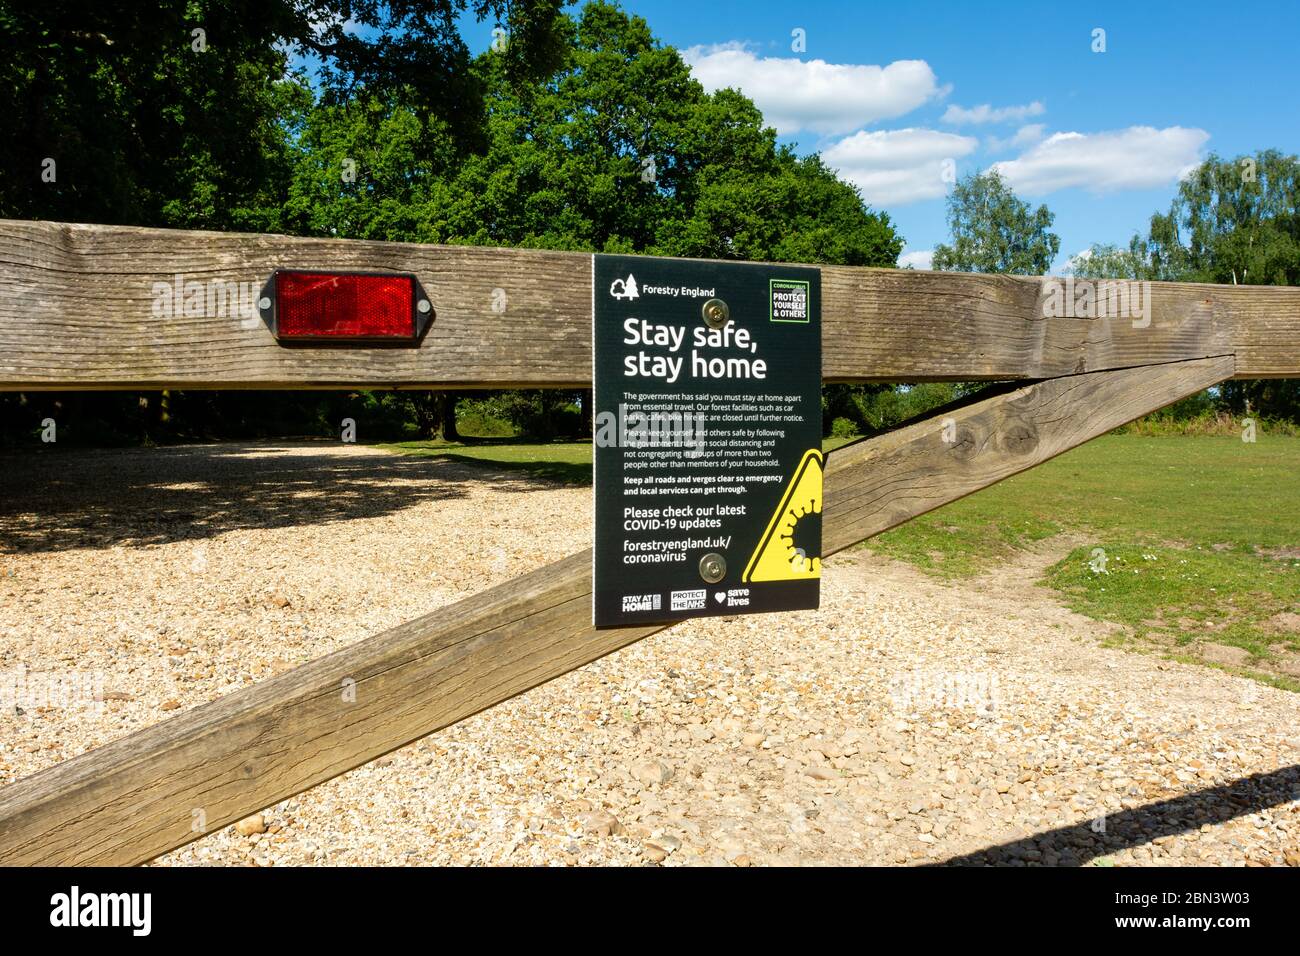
(1107, 261)
(1233, 221)
(580, 132)
(993, 230)
(175, 112)
(112, 115)
(619, 150)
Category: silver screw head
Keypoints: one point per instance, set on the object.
(713, 567)
(264, 303)
(424, 305)
(716, 314)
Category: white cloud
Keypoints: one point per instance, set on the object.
(1030, 133)
(813, 94)
(1025, 136)
(987, 114)
(899, 166)
(1140, 157)
(917, 259)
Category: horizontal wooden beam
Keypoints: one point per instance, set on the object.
(139, 796)
(77, 311)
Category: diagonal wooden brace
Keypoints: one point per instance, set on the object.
(136, 797)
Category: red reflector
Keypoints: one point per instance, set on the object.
(325, 305)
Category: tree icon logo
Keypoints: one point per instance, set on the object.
(624, 288)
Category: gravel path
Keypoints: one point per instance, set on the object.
(907, 722)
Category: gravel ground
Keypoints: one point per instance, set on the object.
(907, 722)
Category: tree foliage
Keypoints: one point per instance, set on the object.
(620, 150)
(576, 132)
(176, 112)
(1233, 221)
(993, 230)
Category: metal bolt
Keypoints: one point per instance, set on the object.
(713, 567)
(263, 303)
(716, 314)
(424, 305)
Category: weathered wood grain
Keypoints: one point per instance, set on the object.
(76, 312)
(137, 797)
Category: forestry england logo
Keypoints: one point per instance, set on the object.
(624, 288)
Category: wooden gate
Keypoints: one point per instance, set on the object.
(78, 311)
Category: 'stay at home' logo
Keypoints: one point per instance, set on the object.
(74, 909)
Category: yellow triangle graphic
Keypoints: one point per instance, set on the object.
(781, 555)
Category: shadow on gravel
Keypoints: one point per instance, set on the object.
(1076, 845)
(55, 500)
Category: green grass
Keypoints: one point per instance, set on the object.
(1174, 595)
(829, 444)
(1190, 538)
(567, 462)
(1181, 491)
(982, 534)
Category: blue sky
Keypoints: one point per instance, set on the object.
(891, 95)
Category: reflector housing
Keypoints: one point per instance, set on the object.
(318, 305)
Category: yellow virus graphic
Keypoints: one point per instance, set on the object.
(790, 549)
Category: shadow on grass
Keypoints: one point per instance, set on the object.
(569, 473)
(565, 462)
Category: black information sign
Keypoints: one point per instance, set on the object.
(707, 420)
